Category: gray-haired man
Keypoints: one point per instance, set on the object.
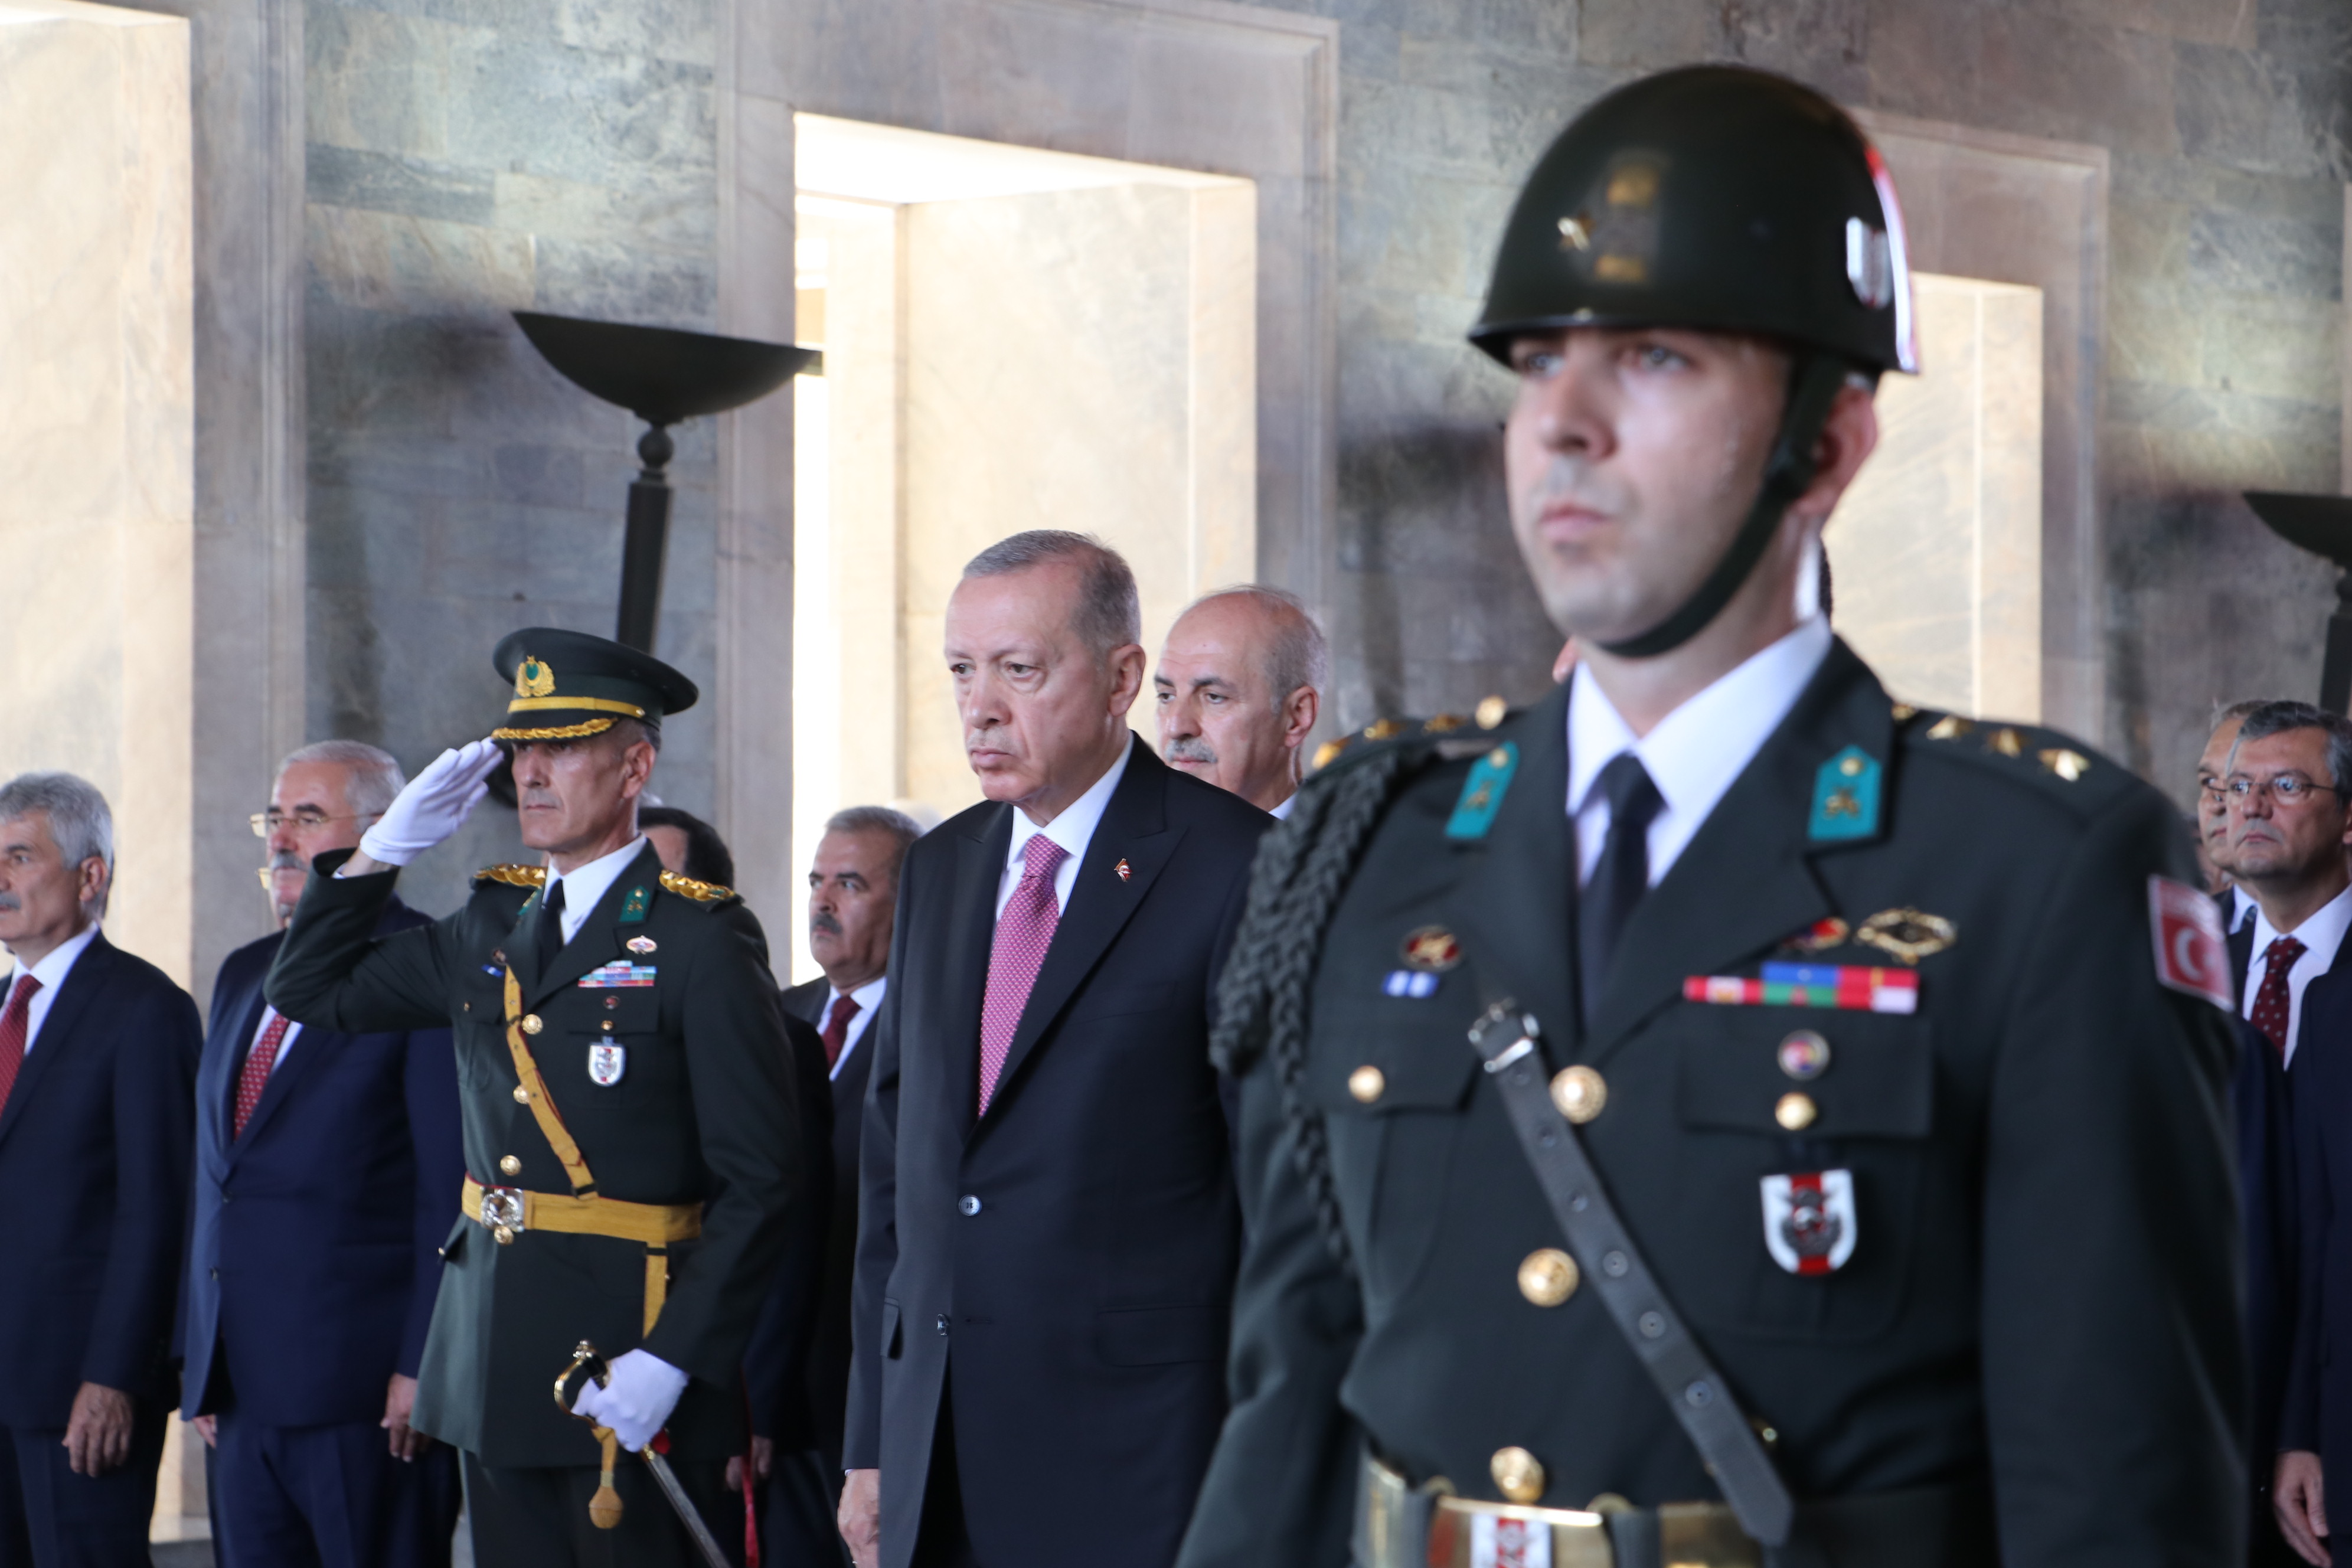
(325, 1164)
(97, 1056)
(1239, 687)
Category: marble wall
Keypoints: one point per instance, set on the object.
(97, 436)
(465, 161)
(620, 159)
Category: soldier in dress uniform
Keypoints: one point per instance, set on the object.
(630, 1129)
(1722, 1115)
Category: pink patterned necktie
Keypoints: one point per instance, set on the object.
(1024, 932)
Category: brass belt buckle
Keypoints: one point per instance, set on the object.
(502, 1212)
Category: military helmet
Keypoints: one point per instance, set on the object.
(1713, 197)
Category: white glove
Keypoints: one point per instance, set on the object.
(637, 1398)
(434, 805)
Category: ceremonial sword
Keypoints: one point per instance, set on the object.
(585, 1359)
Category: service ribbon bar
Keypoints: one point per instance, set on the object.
(1848, 987)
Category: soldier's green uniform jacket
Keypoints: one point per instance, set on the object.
(2043, 1292)
(701, 1113)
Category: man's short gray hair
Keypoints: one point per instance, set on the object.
(79, 824)
(1109, 613)
(903, 829)
(2277, 718)
(372, 775)
(1300, 655)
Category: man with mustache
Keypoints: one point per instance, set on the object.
(1239, 687)
(1048, 1228)
(2213, 817)
(300, 1359)
(630, 1128)
(799, 1380)
(1722, 1113)
(98, 1059)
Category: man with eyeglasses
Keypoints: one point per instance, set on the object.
(326, 1163)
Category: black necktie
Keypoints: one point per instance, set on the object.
(1621, 877)
(547, 937)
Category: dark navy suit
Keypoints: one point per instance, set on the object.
(2260, 1103)
(312, 1268)
(93, 1201)
(797, 1364)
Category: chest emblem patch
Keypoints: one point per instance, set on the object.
(2191, 953)
(640, 944)
(617, 973)
(607, 1062)
(1431, 948)
(1809, 1223)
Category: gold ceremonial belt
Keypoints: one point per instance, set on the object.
(506, 1212)
(1399, 1526)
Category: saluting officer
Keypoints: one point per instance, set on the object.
(1723, 1115)
(629, 1125)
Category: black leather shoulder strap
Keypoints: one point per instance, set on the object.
(1505, 1039)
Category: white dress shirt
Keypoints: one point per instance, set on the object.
(868, 996)
(2242, 908)
(1692, 755)
(51, 972)
(2321, 933)
(583, 885)
(1074, 829)
(1280, 811)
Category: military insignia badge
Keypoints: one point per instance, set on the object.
(1482, 792)
(2192, 955)
(607, 1063)
(640, 944)
(533, 677)
(1821, 936)
(1907, 935)
(1845, 797)
(1809, 1225)
(1431, 949)
(1417, 984)
(618, 975)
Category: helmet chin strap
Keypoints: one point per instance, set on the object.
(1812, 388)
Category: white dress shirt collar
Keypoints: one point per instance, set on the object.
(51, 971)
(1073, 829)
(2321, 933)
(1283, 810)
(867, 996)
(1695, 752)
(584, 884)
(2242, 905)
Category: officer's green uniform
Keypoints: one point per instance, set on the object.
(656, 1033)
(1971, 1265)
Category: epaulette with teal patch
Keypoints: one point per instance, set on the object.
(512, 876)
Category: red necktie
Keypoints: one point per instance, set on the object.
(2272, 1002)
(1024, 932)
(12, 1024)
(255, 1076)
(837, 1027)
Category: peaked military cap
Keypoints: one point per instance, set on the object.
(570, 684)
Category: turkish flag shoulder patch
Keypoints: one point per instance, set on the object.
(2192, 955)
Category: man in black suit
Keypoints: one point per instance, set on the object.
(798, 1363)
(325, 1162)
(98, 1060)
(1048, 1230)
(2289, 795)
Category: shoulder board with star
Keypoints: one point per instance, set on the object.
(1452, 735)
(2027, 751)
(512, 876)
(701, 892)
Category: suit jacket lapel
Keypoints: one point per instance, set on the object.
(1133, 829)
(1516, 900)
(599, 937)
(307, 1046)
(82, 983)
(972, 912)
(1746, 883)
